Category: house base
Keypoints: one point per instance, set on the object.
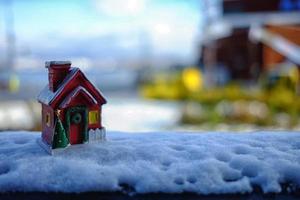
(96, 135)
(44, 146)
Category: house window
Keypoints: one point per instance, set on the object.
(94, 117)
(48, 119)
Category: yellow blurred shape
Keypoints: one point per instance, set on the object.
(192, 79)
(14, 83)
(294, 74)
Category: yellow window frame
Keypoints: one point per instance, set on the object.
(94, 117)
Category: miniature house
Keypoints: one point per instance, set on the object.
(71, 107)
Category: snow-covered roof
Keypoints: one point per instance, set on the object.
(202, 163)
(46, 95)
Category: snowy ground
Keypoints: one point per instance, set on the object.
(206, 163)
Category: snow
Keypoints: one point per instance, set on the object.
(49, 63)
(203, 163)
(130, 114)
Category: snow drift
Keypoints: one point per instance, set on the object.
(204, 163)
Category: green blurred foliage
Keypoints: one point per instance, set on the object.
(275, 104)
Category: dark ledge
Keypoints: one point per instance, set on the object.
(156, 196)
(289, 192)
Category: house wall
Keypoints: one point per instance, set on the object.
(90, 108)
(93, 110)
(47, 129)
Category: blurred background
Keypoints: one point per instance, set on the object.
(162, 65)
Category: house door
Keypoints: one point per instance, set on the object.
(77, 124)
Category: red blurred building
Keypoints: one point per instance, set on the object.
(226, 46)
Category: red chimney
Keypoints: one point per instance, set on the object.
(58, 70)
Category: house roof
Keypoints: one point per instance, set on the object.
(73, 82)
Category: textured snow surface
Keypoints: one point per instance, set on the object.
(203, 163)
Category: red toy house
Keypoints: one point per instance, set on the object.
(71, 108)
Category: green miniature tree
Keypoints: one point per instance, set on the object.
(60, 139)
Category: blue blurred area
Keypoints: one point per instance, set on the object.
(112, 41)
(103, 33)
(174, 50)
